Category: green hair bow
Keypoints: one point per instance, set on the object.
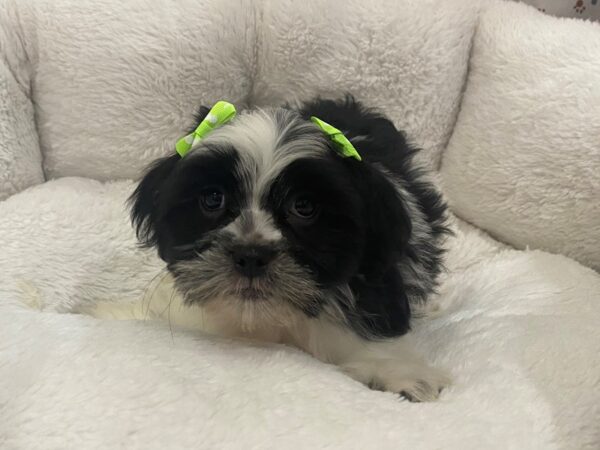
(343, 146)
(221, 113)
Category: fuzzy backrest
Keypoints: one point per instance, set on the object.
(20, 156)
(524, 160)
(407, 58)
(116, 83)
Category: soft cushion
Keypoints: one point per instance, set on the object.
(524, 159)
(518, 330)
(582, 9)
(409, 59)
(116, 83)
(20, 156)
(68, 242)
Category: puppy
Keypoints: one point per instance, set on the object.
(270, 234)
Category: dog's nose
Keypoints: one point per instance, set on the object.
(252, 261)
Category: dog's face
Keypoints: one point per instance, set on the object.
(264, 216)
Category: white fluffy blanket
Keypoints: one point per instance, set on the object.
(518, 330)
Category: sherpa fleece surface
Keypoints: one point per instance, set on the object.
(91, 91)
(517, 330)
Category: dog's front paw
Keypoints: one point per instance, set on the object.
(425, 387)
(416, 382)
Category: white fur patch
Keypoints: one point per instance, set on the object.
(254, 226)
(387, 365)
(262, 147)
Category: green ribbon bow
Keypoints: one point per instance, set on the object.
(343, 145)
(221, 113)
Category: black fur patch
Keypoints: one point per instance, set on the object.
(164, 207)
(382, 145)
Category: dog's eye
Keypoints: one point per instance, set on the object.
(212, 200)
(303, 207)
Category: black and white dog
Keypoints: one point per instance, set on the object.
(270, 234)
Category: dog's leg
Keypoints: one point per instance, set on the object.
(387, 365)
(394, 366)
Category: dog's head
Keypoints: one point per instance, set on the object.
(264, 215)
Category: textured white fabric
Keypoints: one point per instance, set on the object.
(524, 159)
(582, 9)
(20, 157)
(518, 330)
(93, 254)
(407, 58)
(116, 83)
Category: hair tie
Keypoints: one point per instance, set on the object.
(342, 145)
(221, 113)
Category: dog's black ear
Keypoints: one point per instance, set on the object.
(388, 224)
(144, 201)
(381, 146)
(381, 305)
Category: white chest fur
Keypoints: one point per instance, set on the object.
(387, 364)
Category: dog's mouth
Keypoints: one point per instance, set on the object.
(252, 289)
(252, 294)
(210, 278)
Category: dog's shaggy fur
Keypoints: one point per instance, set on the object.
(270, 233)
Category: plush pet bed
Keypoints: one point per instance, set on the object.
(504, 101)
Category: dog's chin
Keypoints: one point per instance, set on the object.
(250, 289)
(252, 294)
(251, 309)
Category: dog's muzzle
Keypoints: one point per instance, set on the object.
(253, 261)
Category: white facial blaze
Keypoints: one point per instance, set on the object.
(254, 226)
(260, 139)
